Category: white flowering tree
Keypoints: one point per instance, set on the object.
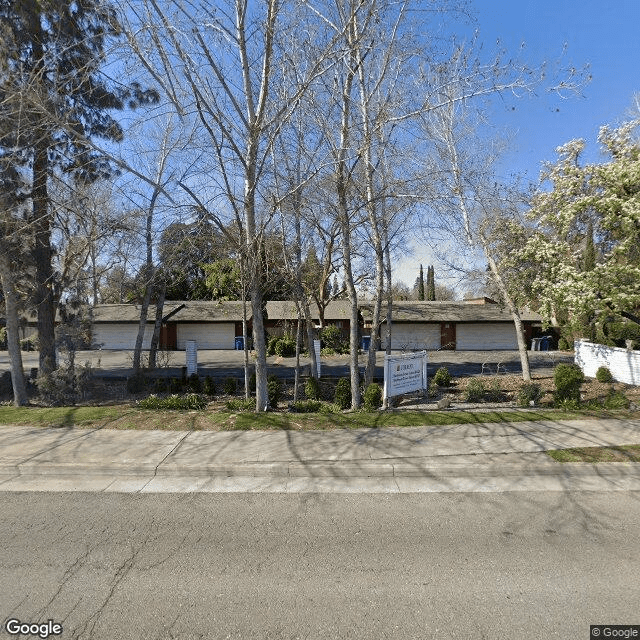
(589, 205)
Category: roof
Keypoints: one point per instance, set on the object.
(287, 310)
(447, 312)
(174, 311)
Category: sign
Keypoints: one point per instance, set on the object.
(192, 357)
(316, 348)
(405, 373)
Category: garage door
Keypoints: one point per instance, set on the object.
(417, 335)
(120, 336)
(220, 335)
(486, 336)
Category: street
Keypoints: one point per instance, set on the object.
(519, 565)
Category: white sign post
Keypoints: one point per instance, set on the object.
(404, 373)
(316, 348)
(192, 357)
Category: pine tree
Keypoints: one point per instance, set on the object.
(55, 99)
(421, 285)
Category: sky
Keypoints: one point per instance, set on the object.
(601, 33)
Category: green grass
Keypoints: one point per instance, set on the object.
(624, 453)
(60, 416)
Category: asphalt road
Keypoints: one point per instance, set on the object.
(221, 363)
(529, 565)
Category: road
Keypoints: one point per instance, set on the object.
(526, 565)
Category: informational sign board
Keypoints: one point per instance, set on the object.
(192, 357)
(316, 348)
(405, 373)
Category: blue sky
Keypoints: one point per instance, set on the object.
(601, 33)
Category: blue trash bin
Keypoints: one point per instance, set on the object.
(366, 342)
(544, 343)
(239, 343)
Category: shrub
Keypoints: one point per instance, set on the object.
(616, 400)
(312, 388)
(209, 386)
(307, 406)
(175, 385)
(285, 347)
(604, 375)
(332, 338)
(252, 382)
(194, 383)
(475, 391)
(494, 392)
(29, 344)
(567, 378)
(433, 389)
(6, 384)
(3, 338)
(230, 386)
(274, 390)
(136, 383)
(160, 385)
(342, 397)
(529, 392)
(241, 405)
(442, 377)
(174, 402)
(271, 345)
(65, 385)
(373, 397)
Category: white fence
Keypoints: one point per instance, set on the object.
(624, 364)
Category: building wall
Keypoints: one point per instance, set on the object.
(480, 336)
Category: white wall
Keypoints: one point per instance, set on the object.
(624, 364)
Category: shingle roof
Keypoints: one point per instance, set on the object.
(287, 310)
(447, 312)
(175, 311)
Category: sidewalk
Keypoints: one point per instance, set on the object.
(394, 459)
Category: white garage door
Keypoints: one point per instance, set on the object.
(220, 335)
(487, 336)
(120, 336)
(418, 335)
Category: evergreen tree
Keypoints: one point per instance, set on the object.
(431, 284)
(421, 284)
(55, 99)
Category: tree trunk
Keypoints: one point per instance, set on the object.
(296, 380)
(517, 321)
(13, 337)
(389, 296)
(245, 344)
(144, 309)
(155, 339)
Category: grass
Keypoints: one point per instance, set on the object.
(624, 453)
(220, 418)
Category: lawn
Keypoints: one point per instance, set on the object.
(624, 453)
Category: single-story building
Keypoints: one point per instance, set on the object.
(477, 325)
(213, 325)
(282, 316)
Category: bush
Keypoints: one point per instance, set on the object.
(307, 406)
(529, 392)
(271, 345)
(6, 384)
(252, 382)
(160, 385)
(191, 402)
(194, 383)
(475, 391)
(616, 400)
(3, 338)
(494, 392)
(241, 405)
(567, 378)
(604, 375)
(332, 338)
(342, 397)
(285, 347)
(209, 386)
(373, 397)
(175, 385)
(563, 344)
(64, 386)
(230, 386)
(442, 377)
(312, 388)
(136, 383)
(29, 344)
(274, 390)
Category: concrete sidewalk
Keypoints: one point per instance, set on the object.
(416, 458)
